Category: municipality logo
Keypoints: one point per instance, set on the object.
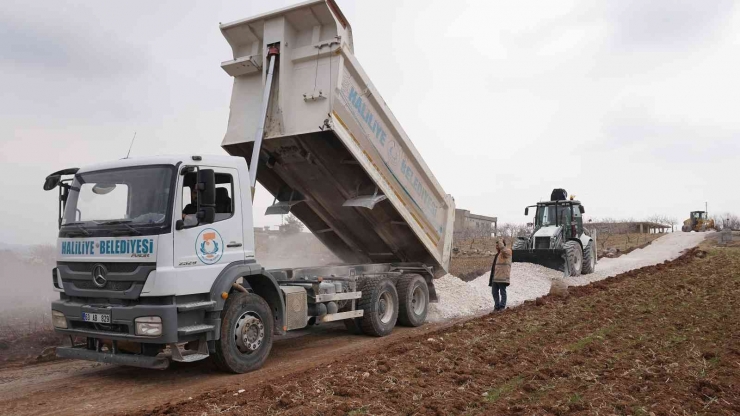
(209, 246)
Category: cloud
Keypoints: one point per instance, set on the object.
(646, 138)
(78, 51)
(666, 23)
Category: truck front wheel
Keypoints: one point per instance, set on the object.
(379, 303)
(413, 300)
(246, 333)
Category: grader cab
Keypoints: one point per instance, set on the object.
(698, 221)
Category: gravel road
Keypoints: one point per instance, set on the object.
(530, 281)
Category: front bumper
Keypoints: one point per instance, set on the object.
(134, 360)
(122, 327)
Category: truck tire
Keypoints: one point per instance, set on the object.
(413, 300)
(589, 258)
(379, 303)
(685, 228)
(519, 244)
(246, 333)
(574, 254)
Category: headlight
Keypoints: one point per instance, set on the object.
(58, 320)
(150, 326)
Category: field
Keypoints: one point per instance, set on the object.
(660, 340)
(657, 340)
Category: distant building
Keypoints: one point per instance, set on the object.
(642, 227)
(478, 224)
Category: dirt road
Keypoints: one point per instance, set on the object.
(85, 388)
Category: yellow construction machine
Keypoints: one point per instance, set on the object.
(698, 222)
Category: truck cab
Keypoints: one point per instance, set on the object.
(144, 253)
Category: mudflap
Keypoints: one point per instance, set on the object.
(550, 258)
(132, 360)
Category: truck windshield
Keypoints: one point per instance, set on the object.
(552, 215)
(128, 196)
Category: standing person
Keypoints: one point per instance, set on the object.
(500, 274)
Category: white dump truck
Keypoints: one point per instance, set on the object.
(156, 255)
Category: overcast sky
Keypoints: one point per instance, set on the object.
(633, 106)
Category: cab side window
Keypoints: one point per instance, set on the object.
(224, 196)
(579, 219)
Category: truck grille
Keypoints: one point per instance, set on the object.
(87, 267)
(542, 242)
(89, 285)
(115, 328)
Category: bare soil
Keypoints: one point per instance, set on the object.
(659, 340)
(26, 336)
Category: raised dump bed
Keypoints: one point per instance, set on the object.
(333, 153)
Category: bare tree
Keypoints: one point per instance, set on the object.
(292, 225)
(672, 221)
(726, 220)
(604, 229)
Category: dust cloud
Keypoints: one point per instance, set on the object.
(25, 277)
(275, 249)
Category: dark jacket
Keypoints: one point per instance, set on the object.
(190, 209)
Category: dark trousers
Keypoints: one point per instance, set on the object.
(499, 295)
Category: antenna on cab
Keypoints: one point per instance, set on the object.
(132, 145)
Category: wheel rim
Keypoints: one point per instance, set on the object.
(578, 261)
(386, 307)
(249, 332)
(417, 300)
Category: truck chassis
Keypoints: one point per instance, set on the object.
(368, 298)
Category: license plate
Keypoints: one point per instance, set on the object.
(102, 318)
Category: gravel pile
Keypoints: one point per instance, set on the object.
(457, 298)
(530, 281)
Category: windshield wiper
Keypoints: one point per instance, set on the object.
(124, 223)
(78, 226)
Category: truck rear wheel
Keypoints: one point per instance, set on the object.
(246, 333)
(413, 300)
(589, 258)
(574, 254)
(379, 303)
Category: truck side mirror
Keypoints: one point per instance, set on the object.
(526, 211)
(51, 182)
(207, 215)
(207, 188)
(582, 209)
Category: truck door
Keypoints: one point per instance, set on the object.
(215, 245)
